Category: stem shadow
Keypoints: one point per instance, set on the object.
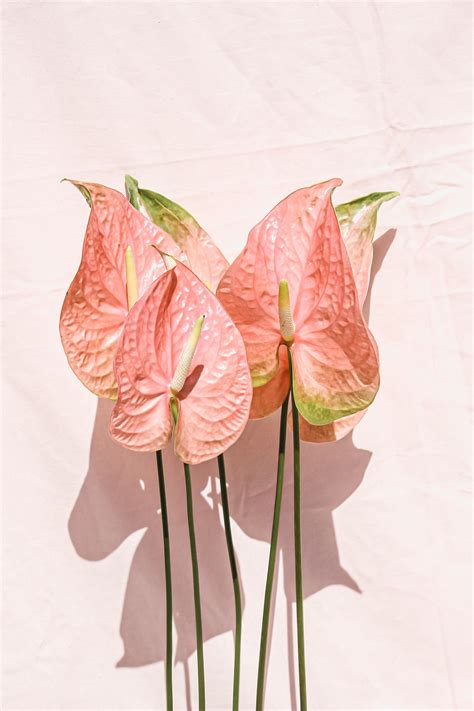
(120, 495)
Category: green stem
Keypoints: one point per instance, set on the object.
(197, 595)
(297, 528)
(169, 595)
(272, 557)
(235, 581)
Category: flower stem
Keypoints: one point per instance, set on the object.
(297, 529)
(197, 595)
(169, 597)
(272, 557)
(235, 581)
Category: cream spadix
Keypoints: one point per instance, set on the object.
(287, 326)
(184, 364)
(131, 277)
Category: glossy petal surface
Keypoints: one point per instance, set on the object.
(358, 220)
(95, 306)
(215, 400)
(205, 258)
(277, 248)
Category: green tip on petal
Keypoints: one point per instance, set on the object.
(287, 326)
(171, 217)
(131, 277)
(370, 199)
(162, 207)
(366, 205)
(132, 191)
(184, 364)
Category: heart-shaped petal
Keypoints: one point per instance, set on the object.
(205, 258)
(277, 248)
(95, 307)
(358, 220)
(214, 403)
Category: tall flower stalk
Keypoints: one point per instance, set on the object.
(168, 584)
(196, 590)
(235, 582)
(272, 556)
(297, 534)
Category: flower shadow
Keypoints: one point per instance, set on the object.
(120, 495)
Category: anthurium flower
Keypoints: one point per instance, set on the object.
(117, 266)
(293, 286)
(357, 220)
(180, 349)
(204, 257)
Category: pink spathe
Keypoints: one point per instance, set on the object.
(226, 108)
(213, 405)
(335, 359)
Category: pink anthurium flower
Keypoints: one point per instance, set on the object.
(293, 286)
(117, 266)
(204, 257)
(179, 349)
(357, 221)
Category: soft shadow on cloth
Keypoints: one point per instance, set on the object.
(120, 495)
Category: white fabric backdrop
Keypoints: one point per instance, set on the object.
(227, 107)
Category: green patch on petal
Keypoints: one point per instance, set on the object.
(259, 380)
(131, 188)
(204, 257)
(259, 373)
(315, 409)
(174, 409)
(316, 413)
(171, 217)
(348, 212)
(357, 221)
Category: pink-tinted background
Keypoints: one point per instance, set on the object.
(227, 107)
